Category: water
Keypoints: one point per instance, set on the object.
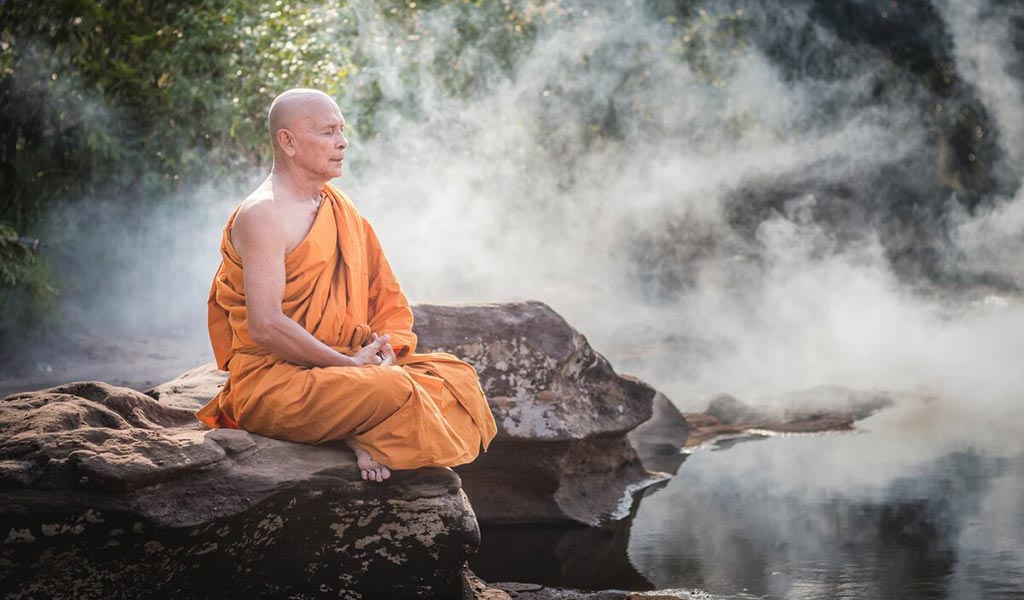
(925, 502)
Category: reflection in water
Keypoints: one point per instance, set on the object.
(840, 517)
(927, 502)
(591, 558)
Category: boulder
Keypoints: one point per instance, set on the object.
(562, 452)
(108, 493)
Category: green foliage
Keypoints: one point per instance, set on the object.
(25, 292)
(134, 101)
(132, 98)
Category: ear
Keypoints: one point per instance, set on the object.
(286, 141)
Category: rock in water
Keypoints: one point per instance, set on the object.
(107, 493)
(562, 451)
(814, 410)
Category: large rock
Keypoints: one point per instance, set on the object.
(107, 493)
(562, 451)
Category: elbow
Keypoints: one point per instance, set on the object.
(261, 331)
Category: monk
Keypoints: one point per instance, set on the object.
(308, 318)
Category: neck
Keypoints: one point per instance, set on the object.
(294, 185)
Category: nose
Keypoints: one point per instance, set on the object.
(342, 141)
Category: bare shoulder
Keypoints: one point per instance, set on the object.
(257, 225)
(257, 207)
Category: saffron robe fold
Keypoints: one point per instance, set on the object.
(426, 410)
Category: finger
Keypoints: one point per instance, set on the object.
(364, 473)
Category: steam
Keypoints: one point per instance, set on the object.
(711, 221)
(993, 240)
(503, 196)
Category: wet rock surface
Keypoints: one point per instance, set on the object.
(107, 493)
(562, 453)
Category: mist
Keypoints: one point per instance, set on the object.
(717, 207)
(632, 238)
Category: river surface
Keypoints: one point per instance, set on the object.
(925, 501)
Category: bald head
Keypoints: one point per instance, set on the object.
(290, 109)
(308, 133)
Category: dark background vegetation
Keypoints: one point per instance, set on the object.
(135, 101)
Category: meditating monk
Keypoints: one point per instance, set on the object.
(308, 318)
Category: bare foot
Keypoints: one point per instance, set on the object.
(368, 468)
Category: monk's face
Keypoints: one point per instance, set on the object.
(320, 139)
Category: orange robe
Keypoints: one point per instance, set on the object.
(427, 410)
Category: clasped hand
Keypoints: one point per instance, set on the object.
(377, 351)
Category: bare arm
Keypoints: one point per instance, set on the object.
(261, 242)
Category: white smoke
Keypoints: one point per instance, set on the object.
(597, 173)
(993, 241)
(474, 201)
